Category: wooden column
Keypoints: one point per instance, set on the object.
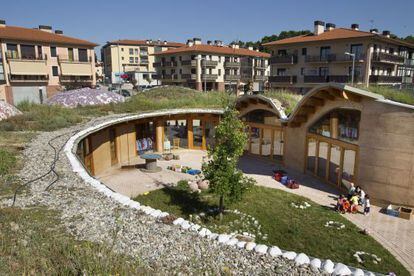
(334, 125)
(159, 129)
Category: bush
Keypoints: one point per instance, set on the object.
(183, 185)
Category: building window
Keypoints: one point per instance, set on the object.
(302, 71)
(136, 51)
(181, 71)
(83, 55)
(122, 49)
(304, 51)
(136, 60)
(131, 59)
(325, 53)
(219, 72)
(53, 51)
(12, 51)
(122, 58)
(55, 71)
(357, 50)
(281, 71)
(131, 51)
(323, 71)
(27, 51)
(70, 54)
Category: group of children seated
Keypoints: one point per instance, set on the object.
(356, 196)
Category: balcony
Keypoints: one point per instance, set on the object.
(346, 58)
(209, 63)
(189, 76)
(260, 78)
(385, 79)
(209, 77)
(320, 58)
(28, 78)
(287, 59)
(70, 67)
(144, 61)
(387, 58)
(30, 66)
(232, 64)
(315, 79)
(165, 64)
(75, 79)
(409, 62)
(283, 79)
(232, 77)
(191, 62)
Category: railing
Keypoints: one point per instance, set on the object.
(165, 64)
(144, 61)
(283, 79)
(192, 62)
(385, 57)
(409, 62)
(67, 59)
(287, 59)
(315, 79)
(28, 78)
(143, 53)
(209, 63)
(189, 76)
(320, 58)
(75, 78)
(331, 78)
(385, 79)
(16, 56)
(232, 64)
(342, 58)
(209, 76)
(260, 78)
(340, 78)
(232, 77)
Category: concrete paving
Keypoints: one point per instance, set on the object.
(395, 234)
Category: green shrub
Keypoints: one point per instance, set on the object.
(183, 185)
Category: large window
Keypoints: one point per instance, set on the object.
(357, 49)
(28, 51)
(12, 51)
(53, 52)
(175, 131)
(342, 124)
(145, 135)
(83, 55)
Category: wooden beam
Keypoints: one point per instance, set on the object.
(351, 97)
(295, 124)
(308, 109)
(325, 95)
(301, 118)
(315, 101)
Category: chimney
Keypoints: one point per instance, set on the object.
(2, 23)
(234, 45)
(209, 42)
(150, 41)
(45, 28)
(197, 41)
(147, 41)
(386, 33)
(374, 31)
(190, 42)
(250, 48)
(355, 27)
(165, 42)
(60, 32)
(330, 26)
(318, 27)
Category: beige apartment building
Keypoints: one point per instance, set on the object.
(327, 54)
(212, 66)
(133, 58)
(36, 63)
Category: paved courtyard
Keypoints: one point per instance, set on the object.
(396, 234)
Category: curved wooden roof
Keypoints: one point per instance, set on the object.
(260, 102)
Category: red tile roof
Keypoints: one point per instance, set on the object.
(36, 35)
(212, 49)
(337, 33)
(144, 43)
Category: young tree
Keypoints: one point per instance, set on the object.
(226, 180)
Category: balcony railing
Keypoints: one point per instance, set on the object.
(207, 77)
(260, 78)
(331, 78)
(320, 58)
(232, 64)
(192, 62)
(232, 77)
(66, 59)
(409, 62)
(209, 63)
(75, 79)
(144, 61)
(28, 78)
(16, 56)
(189, 76)
(315, 79)
(385, 79)
(283, 79)
(286, 59)
(389, 58)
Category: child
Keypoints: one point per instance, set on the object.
(351, 190)
(339, 203)
(354, 203)
(367, 205)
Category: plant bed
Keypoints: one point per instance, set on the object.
(405, 213)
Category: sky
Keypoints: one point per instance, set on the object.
(179, 20)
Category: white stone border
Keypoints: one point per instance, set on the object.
(300, 259)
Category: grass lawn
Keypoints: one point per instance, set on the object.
(300, 230)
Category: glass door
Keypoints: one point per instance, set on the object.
(197, 134)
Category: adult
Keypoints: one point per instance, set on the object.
(351, 190)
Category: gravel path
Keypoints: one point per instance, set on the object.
(165, 249)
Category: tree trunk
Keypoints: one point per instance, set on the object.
(221, 207)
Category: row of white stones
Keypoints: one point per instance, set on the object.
(326, 266)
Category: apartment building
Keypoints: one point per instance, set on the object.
(327, 55)
(133, 58)
(36, 63)
(212, 66)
